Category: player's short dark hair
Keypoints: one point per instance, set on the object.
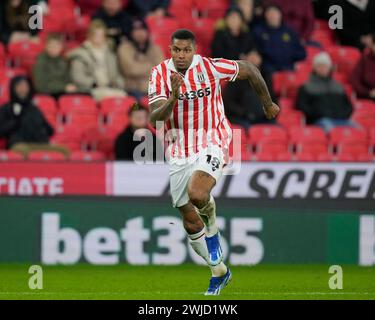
(183, 34)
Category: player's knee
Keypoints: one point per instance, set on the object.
(198, 198)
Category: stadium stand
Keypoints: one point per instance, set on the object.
(89, 129)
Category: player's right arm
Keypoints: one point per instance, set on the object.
(161, 110)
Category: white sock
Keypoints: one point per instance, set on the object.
(208, 215)
(199, 245)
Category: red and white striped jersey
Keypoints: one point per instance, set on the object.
(198, 120)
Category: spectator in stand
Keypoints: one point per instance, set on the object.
(51, 70)
(94, 68)
(358, 17)
(137, 56)
(22, 124)
(116, 19)
(233, 41)
(141, 8)
(298, 15)
(14, 21)
(363, 78)
(278, 44)
(322, 99)
(135, 134)
(252, 11)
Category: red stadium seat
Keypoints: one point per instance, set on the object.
(325, 37)
(24, 53)
(364, 119)
(287, 104)
(345, 134)
(69, 136)
(311, 147)
(291, 119)
(287, 83)
(311, 53)
(2, 55)
(372, 137)
(259, 133)
(77, 104)
(118, 105)
(10, 156)
(345, 58)
(325, 157)
(116, 121)
(204, 29)
(363, 106)
(352, 147)
(214, 9)
(266, 156)
(46, 156)
(87, 156)
(46, 104)
(181, 9)
(307, 134)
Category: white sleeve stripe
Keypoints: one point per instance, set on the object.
(237, 71)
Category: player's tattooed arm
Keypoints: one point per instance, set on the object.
(248, 71)
(162, 110)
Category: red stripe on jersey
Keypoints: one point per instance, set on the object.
(185, 109)
(158, 83)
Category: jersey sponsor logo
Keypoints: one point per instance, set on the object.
(194, 94)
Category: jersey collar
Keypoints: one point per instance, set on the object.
(194, 63)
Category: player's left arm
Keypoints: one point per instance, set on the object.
(248, 71)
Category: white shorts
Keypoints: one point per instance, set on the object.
(209, 160)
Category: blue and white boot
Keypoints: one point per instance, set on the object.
(218, 283)
(215, 253)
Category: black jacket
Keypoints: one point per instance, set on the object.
(225, 45)
(125, 145)
(27, 126)
(121, 21)
(323, 98)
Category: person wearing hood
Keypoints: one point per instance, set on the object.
(279, 45)
(94, 67)
(136, 57)
(322, 99)
(22, 124)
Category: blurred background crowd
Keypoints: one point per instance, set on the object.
(67, 91)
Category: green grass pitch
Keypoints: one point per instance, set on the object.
(186, 282)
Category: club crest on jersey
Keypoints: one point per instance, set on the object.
(201, 77)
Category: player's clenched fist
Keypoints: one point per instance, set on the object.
(272, 111)
(176, 82)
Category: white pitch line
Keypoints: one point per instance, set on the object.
(184, 293)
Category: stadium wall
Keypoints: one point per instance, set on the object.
(147, 230)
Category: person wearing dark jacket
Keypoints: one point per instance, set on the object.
(116, 19)
(363, 77)
(128, 141)
(277, 43)
(22, 124)
(233, 41)
(141, 8)
(322, 99)
(298, 15)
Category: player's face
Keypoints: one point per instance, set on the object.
(182, 52)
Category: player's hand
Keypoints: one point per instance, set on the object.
(176, 82)
(271, 111)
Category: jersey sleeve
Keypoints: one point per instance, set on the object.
(156, 87)
(225, 69)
